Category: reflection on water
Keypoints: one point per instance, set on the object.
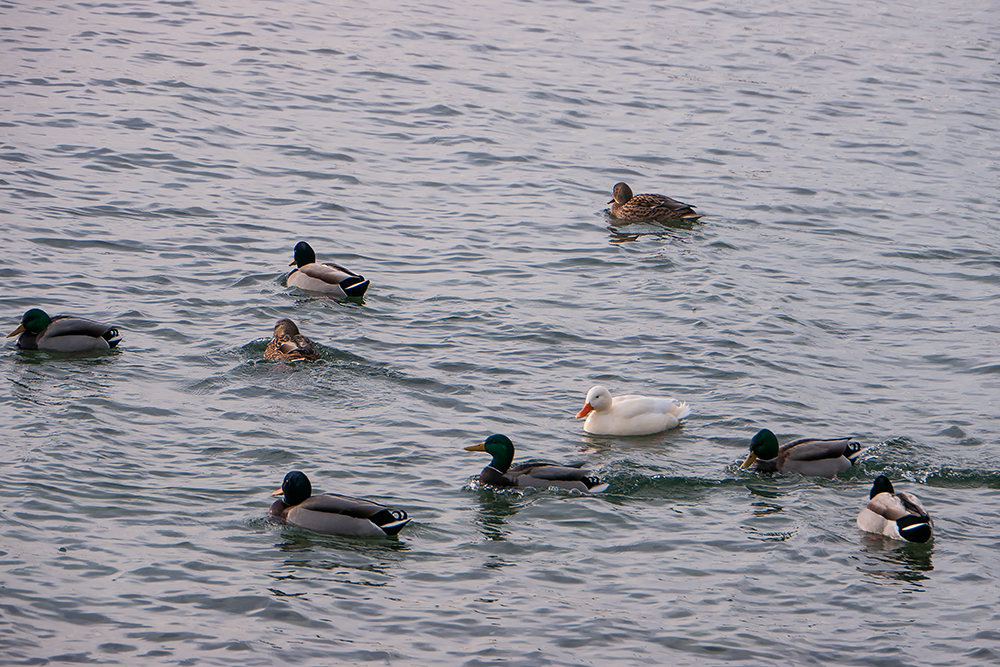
(768, 510)
(495, 507)
(771, 492)
(301, 540)
(897, 561)
(330, 559)
(627, 232)
(764, 509)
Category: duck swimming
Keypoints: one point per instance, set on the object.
(897, 515)
(63, 333)
(631, 414)
(648, 207)
(542, 474)
(331, 513)
(289, 345)
(806, 456)
(326, 278)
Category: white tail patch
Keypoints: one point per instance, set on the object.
(680, 409)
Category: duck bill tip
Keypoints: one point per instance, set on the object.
(584, 411)
(279, 492)
(749, 461)
(16, 331)
(478, 447)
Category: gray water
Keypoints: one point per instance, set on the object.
(161, 159)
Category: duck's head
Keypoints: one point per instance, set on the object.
(598, 398)
(881, 485)
(295, 488)
(500, 447)
(763, 446)
(285, 327)
(34, 322)
(304, 254)
(622, 193)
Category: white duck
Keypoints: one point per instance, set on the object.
(630, 415)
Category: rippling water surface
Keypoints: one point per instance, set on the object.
(161, 159)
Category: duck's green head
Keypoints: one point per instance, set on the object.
(34, 322)
(881, 485)
(500, 447)
(295, 488)
(304, 254)
(763, 446)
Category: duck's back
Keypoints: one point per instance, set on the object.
(653, 207)
(291, 348)
(328, 278)
(816, 458)
(74, 334)
(886, 512)
(336, 514)
(541, 474)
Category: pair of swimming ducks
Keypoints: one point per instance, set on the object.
(895, 515)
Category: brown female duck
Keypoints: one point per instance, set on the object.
(289, 345)
(648, 207)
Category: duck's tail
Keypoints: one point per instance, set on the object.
(855, 451)
(113, 337)
(355, 286)
(390, 521)
(914, 528)
(680, 409)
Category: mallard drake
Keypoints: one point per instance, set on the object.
(629, 415)
(63, 333)
(331, 513)
(289, 345)
(648, 208)
(530, 473)
(900, 516)
(326, 278)
(806, 456)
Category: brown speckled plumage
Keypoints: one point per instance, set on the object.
(648, 207)
(289, 345)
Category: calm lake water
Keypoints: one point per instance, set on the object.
(161, 159)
